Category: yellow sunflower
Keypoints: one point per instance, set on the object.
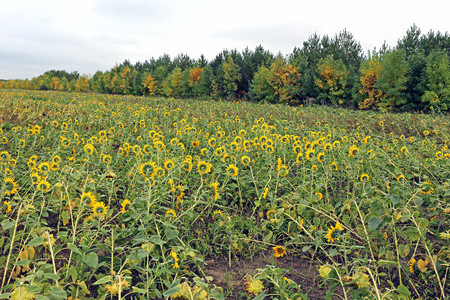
(321, 157)
(353, 151)
(7, 206)
(171, 214)
(245, 160)
(332, 234)
(169, 164)
(44, 167)
(279, 251)
(364, 178)
(11, 187)
(106, 158)
(148, 169)
(89, 148)
(126, 205)
(204, 167)
(43, 185)
(88, 198)
(232, 170)
(215, 185)
(99, 209)
(411, 265)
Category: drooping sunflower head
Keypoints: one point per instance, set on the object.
(171, 214)
(126, 204)
(321, 157)
(4, 156)
(353, 151)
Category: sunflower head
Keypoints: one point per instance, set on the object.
(279, 251)
(88, 198)
(43, 185)
(126, 204)
(171, 214)
(364, 178)
(232, 170)
(11, 187)
(148, 169)
(99, 209)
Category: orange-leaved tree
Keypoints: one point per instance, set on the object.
(277, 83)
(284, 77)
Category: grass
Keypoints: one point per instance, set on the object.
(112, 197)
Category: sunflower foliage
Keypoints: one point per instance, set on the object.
(117, 197)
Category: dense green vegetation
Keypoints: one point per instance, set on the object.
(412, 76)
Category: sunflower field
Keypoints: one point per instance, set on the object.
(122, 197)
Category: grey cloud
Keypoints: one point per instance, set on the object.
(283, 36)
(134, 10)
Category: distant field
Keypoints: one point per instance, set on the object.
(121, 197)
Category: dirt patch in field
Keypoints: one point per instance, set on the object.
(302, 270)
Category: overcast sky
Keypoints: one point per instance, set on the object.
(91, 35)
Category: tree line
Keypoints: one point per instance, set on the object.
(413, 75)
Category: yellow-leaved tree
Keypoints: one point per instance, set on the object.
(332, 79)
(370, 72)
(150, 85)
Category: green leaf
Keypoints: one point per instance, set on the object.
(7, 224)
(23, 262)
(73, 273)
(74, 248)
(104, 280)
(260, 296)
(403, 290)
(91, 260)
(423, 223)
(83, 286)
(5, 295)
(34, 289)
(58, 293)
(306, 248)
(156, 239)
(374, 222)
(267, 238)
(52, 276)
(383, 262)
(411, 234)
(171, 291)
(171, 233)
(36, 242)
(40, 297)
